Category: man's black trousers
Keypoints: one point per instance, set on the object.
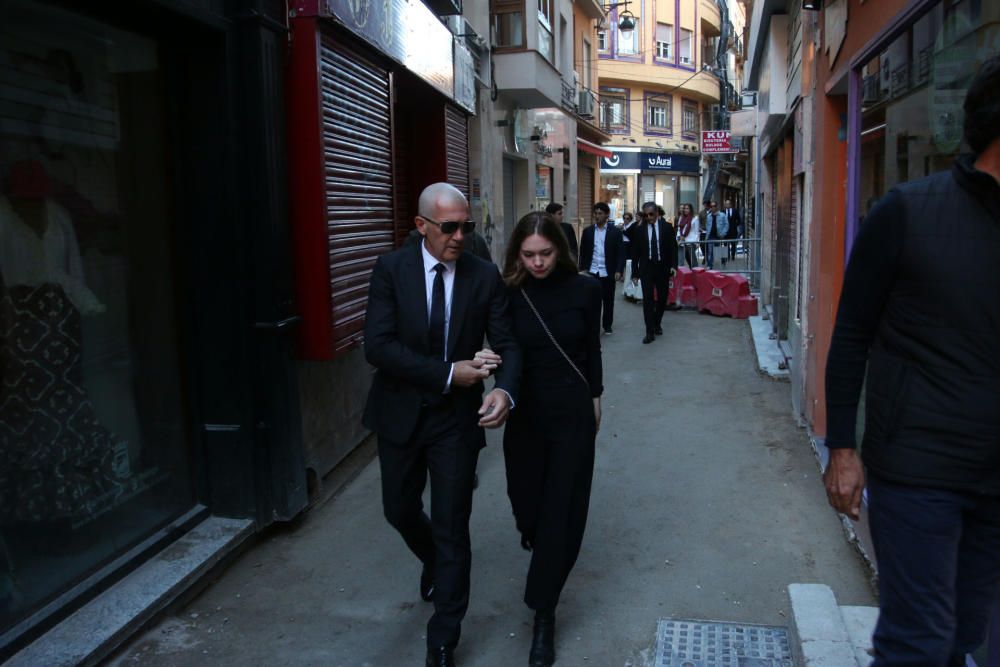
(654, 275)
(447, 449)
(938, 558)
(608, 298)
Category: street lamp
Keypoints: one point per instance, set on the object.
(626, 20)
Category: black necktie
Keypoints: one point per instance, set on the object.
(654, 247)
(436, 328)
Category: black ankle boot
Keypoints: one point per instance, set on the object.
(543, 650)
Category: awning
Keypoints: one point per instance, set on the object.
(587, 147)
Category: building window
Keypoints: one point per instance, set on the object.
(664, 41)
(508, 24)
(709, 50)
(614, 110)
(687, 39)
(586, 66)
(545, 15)
(689, 120)
(602, 41)
(658, 114)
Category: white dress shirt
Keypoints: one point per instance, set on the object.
(649, 240)
(449, 288)
(597, 265)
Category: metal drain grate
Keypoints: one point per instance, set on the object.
(681, 643)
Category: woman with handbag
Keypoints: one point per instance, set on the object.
(549, 438)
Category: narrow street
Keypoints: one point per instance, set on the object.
(706, 504)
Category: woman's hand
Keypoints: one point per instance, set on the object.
(597, 412)
(491, 360)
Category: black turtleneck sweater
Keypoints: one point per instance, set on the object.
(570, 305)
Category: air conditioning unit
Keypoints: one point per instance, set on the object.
(459, 25)
(585, 107)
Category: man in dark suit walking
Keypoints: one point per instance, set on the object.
(654, 260)
(557, 211)
(429, 306)
(602, 255)
(735, 229)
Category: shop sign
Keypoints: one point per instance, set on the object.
(631, 161)
(621, 160)
(407, 32)
(465, 78)
(670, 162)
(716, 141)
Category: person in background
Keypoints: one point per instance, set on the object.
(602, 255)
(549, 440)
(654, 260)
(718, 227)
(557, 212)
(706, 207)
(688, 232)
(930, 452)
(734, 231)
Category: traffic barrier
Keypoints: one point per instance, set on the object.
(682, 288)
(725, 294)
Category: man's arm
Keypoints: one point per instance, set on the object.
(868, 281)
(383, 348)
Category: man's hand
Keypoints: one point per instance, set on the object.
(844, 480)
(494, 410)
(597, 412)
(618, 277)
(468, 373)
(491, 360)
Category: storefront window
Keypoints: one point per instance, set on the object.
(912, 95)
(616, 192)
(93, 449)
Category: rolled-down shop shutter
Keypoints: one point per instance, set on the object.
(456, 132)
(585, 186)
(358, 172)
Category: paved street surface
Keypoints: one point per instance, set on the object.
(706, 504)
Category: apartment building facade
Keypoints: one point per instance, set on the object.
(659, 88)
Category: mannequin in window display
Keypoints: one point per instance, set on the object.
(59, 466)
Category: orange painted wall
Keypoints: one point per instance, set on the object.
(865, 20)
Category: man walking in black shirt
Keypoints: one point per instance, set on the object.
(919, 308)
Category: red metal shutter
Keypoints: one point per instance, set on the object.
(456, 132)
(358, 171)
(585, 186)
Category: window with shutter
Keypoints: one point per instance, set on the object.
(357, 165)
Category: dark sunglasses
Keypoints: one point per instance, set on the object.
(451, 226)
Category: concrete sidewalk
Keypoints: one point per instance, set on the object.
(706, 504)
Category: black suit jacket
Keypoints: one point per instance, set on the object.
(396, 341)
(614, 249)
(640, 246)
(735, 223)
(570, 233)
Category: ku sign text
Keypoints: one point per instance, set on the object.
(716, 141)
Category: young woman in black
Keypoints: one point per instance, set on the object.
(549, 438)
